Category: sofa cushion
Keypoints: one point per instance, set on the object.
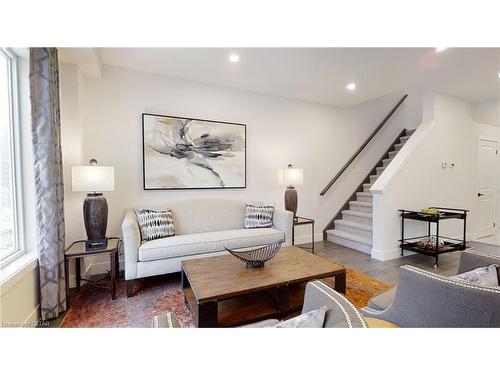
(485, 276)
(258, 216)
(202, 243)
(155, 224)
(268, 323)
(310, 319)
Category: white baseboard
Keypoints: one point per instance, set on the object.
(101, 268)
(306, 238)
(94, 269)
(384, 255)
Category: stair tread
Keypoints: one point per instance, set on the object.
(349, 236)
(353, 224)
(362, 204)
(364, 194)
(358, 213)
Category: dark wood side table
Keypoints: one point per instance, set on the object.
(77, 251)
(303, 221)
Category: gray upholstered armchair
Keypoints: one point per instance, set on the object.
(424, 299)
(340, 312)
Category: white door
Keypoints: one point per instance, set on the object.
(487, 153)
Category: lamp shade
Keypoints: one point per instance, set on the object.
(291, 176)
(92, 178)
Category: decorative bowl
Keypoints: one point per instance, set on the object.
(256, 256)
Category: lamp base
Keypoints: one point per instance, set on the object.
(93, 245)
(95, 216)
(291, 200)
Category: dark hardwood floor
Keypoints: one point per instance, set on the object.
(384, 271)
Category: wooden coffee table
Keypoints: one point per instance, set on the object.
(221, 292)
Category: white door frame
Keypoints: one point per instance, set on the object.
(496, 214)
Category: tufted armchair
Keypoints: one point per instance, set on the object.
(340, 312)
(424, 299)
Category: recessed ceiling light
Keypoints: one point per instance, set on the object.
(351, 86)
(498, 75)
(441, 49)
(234, 58)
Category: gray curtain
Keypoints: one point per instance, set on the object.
(46, 128)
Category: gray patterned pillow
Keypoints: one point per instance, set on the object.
(311, 319)
(485, 276)
(258, 216)
(155, 224)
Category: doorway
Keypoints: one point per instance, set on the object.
(487, 171)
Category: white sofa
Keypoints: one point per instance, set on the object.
(203, 227)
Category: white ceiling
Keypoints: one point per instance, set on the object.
(321, 74)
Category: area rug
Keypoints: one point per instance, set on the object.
(93, 307)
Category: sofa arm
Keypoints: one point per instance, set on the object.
(131, 242)
(424, 299)
(283, 220)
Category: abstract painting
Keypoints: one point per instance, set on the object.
(187, 153)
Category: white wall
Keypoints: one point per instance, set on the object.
(488, 112)
(19, 296)
(416, 179)
(71, 88)
(315, 137)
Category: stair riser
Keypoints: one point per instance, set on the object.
(385, 163)
(366, 189)
(348, 243)
(361, 209)
(356, 231)
(373, 179)
(365, 199)
(357, 219)
(398, 146)
(392, 154)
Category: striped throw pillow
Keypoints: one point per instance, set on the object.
(258, 216)
(155, 224)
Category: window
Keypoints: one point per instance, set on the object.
(10, 210)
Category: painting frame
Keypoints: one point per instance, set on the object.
(146, 188)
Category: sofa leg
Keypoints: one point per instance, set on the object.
(130, 288)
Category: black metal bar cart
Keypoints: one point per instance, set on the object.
(449, 244)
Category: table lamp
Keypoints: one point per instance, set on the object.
(94, 180)
(289, 177)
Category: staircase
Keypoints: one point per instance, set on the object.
(352, 225)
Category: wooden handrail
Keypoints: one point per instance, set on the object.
(323, 192)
